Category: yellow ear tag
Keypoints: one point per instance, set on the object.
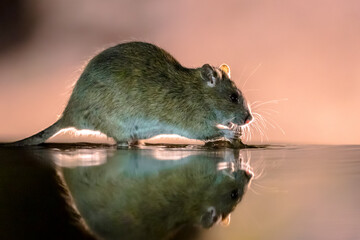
(225, 68)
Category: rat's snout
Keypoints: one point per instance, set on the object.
(248, 118)
(248, 174)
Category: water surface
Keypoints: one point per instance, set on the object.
(298, 192)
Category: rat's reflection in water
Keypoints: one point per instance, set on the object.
(134, 195)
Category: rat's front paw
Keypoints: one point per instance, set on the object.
(230, 131)
(234, 143)
(228, 134)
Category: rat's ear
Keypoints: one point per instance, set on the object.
(209, 75)
(225, 68)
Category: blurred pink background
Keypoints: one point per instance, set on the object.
(304, 53)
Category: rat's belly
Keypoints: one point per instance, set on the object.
(141, 128)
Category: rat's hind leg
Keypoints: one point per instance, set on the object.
(123, 132)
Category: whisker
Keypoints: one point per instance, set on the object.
(245, 159)
(268, 188)
(249, 90)
(258, 124)
(261, 118)
(257, 176)
(251, 133)
(257, 128)
(262, 132)
(268, 111)
(248, 159)
(252, 189)
(266, 121)
(254, 125)
(274, 124)
(252, 73)
(255, 102)
(242, 72)
(267, 102)
(278, 126)
(246, 132)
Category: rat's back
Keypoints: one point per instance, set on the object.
(128, 89)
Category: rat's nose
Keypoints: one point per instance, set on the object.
(248, 118)
(248, 174)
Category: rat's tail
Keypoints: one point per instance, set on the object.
(39, 137)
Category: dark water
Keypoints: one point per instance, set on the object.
(94, 192)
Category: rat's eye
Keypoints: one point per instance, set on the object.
(234, 98)
(234, 194)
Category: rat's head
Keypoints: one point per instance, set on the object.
(223, 197)
(225, 98)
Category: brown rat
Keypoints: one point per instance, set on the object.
(137, 90)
